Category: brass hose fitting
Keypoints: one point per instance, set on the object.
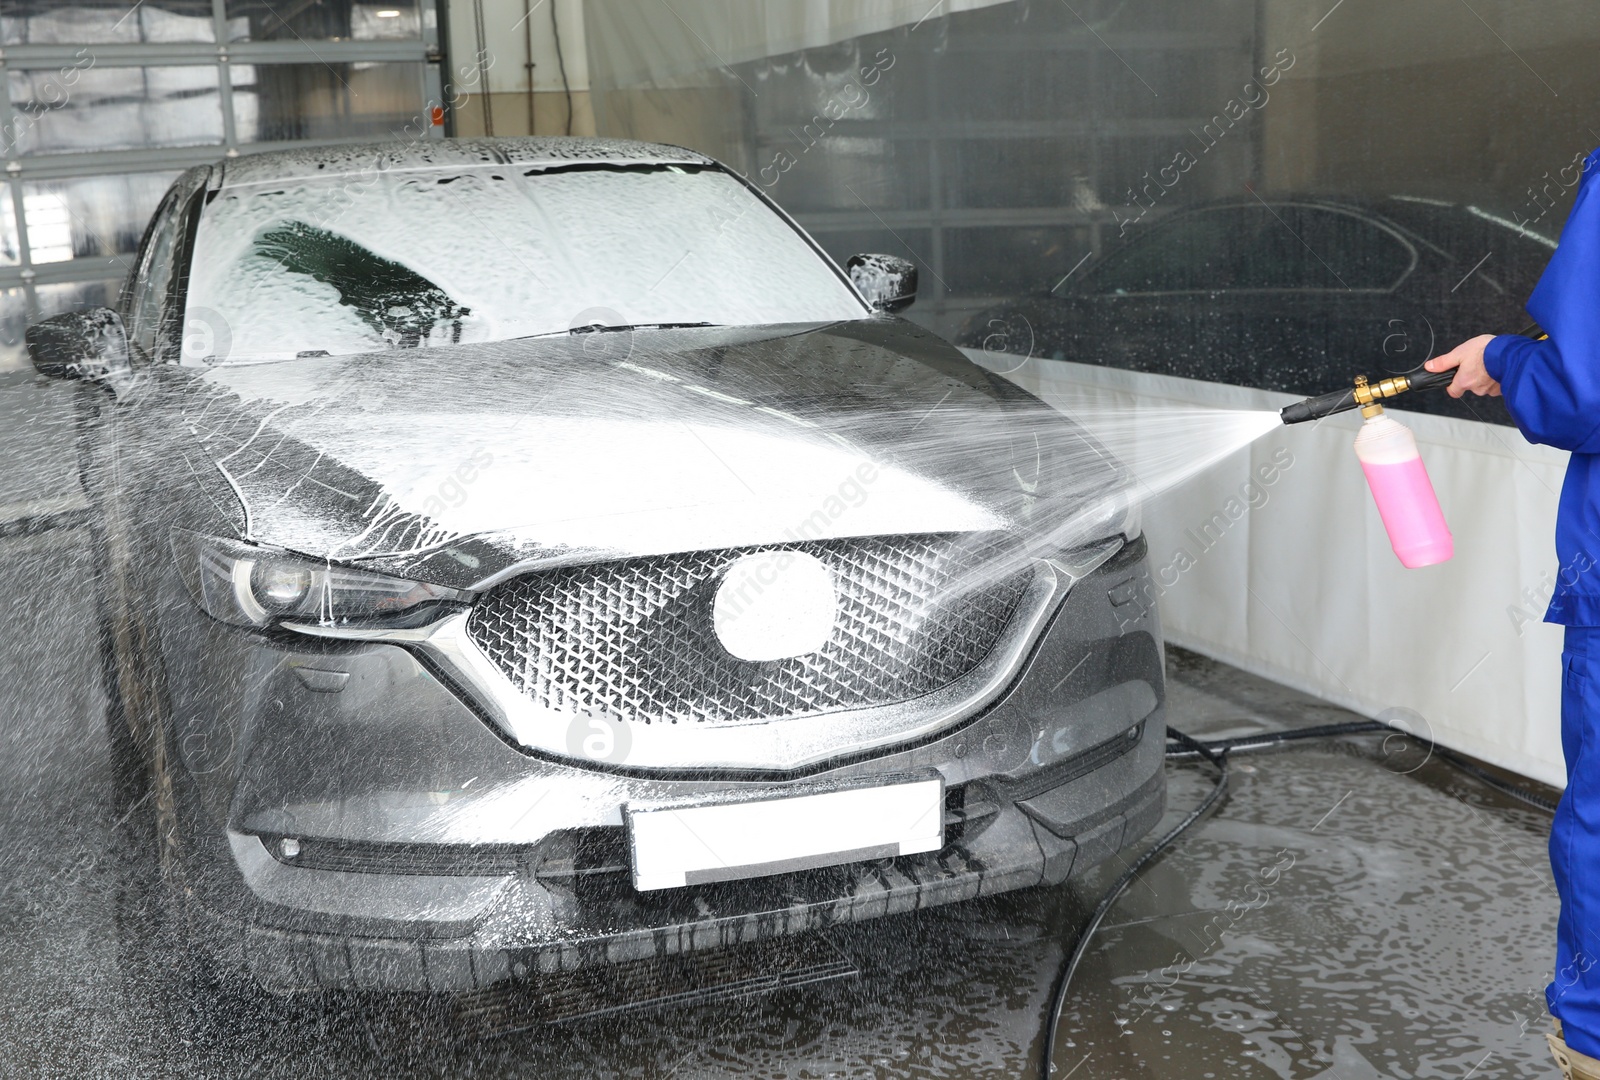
(1367, 393)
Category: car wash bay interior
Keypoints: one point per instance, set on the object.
(1356, 906)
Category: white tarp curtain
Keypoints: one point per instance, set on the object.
(1304, 588)
(663, 44)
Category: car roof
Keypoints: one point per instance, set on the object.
(535, 152)
(1430, 219)
(1361, 203)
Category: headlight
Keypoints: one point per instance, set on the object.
(1119, 513)
(1132, 519)
(249, 585)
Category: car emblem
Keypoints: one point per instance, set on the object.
(773, 605)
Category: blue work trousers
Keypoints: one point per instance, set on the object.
(1574, 995)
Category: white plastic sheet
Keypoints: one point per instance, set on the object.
(1303, 587)
(653, 45)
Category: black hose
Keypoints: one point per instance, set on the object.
(1484, 776)
(1265, 740)
(1217, 758)
(561, 63)
(483, 67)
(1216, 752)
(1274, 738)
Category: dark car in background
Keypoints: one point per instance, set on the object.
(527, 554)
(1291, 293)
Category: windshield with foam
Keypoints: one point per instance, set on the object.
(408, 258)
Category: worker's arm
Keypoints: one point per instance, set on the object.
(1553, 402)
(1552, 390)
(1554, 398)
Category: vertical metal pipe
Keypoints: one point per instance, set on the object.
(561, 62)
(936, 185)
(483, 67)
(440, 51)
(13, 155)
(230, 133)
(527, 22)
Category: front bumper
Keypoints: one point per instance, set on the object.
(431, 854)
(516, 929)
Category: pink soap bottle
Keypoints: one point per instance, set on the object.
(1400, 485)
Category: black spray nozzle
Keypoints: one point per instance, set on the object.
(1314, 408)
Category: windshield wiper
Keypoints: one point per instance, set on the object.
(606, 328)
(602, 328)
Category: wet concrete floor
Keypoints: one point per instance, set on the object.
(1351, 911)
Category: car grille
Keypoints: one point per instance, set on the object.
(633, 639)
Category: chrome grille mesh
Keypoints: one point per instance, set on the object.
(633, 639)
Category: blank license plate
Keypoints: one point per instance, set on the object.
(692, 845)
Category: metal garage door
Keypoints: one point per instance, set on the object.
(102, 104)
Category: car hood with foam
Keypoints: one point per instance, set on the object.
(463, 464)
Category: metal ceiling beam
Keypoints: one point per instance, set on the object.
(133, 54)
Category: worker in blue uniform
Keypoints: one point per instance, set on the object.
(1552, 390)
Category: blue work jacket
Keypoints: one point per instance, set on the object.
(1552, 389)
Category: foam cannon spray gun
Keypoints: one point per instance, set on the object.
(1393, 466)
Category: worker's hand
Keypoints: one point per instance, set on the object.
(1467, 359)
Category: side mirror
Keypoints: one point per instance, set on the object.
(888, 282)
(88, 344)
